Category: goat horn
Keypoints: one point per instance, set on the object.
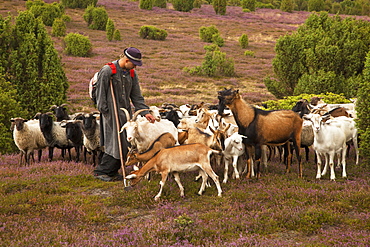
(127, 114)
(52, 107)
(137, 113)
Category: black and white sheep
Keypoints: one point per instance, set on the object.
(54, 134)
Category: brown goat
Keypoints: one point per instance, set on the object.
(273, 128)
(182, 158)
(163, 141)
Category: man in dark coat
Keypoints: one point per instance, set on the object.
(126, 87)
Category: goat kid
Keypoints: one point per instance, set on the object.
(234, 148)
(329, 140)
(183, 158)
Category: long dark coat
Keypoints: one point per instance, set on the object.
(126, 88)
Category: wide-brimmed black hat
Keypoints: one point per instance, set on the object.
(134, 55)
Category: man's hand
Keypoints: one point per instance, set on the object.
(150, 118)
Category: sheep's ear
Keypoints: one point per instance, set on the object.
(244, 136)
(131, 176)
(12, 120)
(63, 124)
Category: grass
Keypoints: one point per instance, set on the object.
(59, 203)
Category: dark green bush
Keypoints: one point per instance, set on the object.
(249, 4)
(363, 112)
(96, 17)
(316, 5)
(160, 3)
(77, 45)
(206, 33)
(117, 35)
(183, 5)
(219, 6)
(110, 29)
(10, 108)
(244, 41)
(80, 4)
(150, 32)
(146, 4)
(59, 28)
(47, 12)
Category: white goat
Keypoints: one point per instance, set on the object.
(28, 137)
(234, 148)
(329, 139)
(141, 133)
(182, 158)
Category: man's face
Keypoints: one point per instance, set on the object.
(129, 65)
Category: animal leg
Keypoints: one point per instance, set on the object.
(177, 179)
(235, 165)
(161, 183)
(326, 165)
(226, 171)
(204, 181)
(318, 174)
(214, 177)
(344, 173)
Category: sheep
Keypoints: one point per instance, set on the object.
(91, 131)
(234, 148)
(54, 134)
(165, 140)
(182, 158)
(141, 133)
(74, 135)
(28, 137)
(263, 127)
(329, 140)
(60, 112)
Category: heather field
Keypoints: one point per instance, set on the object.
(59, 203)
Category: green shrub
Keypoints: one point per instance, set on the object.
(59, 28)
(261, 5)
(146, 4)
(244, 41)
(248, 4)
(117, 35)
(316, 5)
(234, 3)
(183, 5)
(47, 12)
(150, 32)
(219, 6)
(218, 40)
(80, 4)
(66, 18)
(110, 29)
(77, 45)
(96, 17)
(160, 3)
(249, 53)
(287, 5)
(215, 64)
(206, 33)
(197, 4)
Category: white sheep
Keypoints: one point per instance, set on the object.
(28, 137)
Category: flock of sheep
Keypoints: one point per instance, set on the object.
(206, 130)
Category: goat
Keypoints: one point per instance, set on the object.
(141, 133)
(165, 140)
(60, 112)
(302, 107)
(263, 127)
(54, 134)
(329, 140)
(28, 137)
(182, 158)
(234, 148)
(154, 110)
(215, 141)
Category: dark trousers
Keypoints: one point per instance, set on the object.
(108, 166)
